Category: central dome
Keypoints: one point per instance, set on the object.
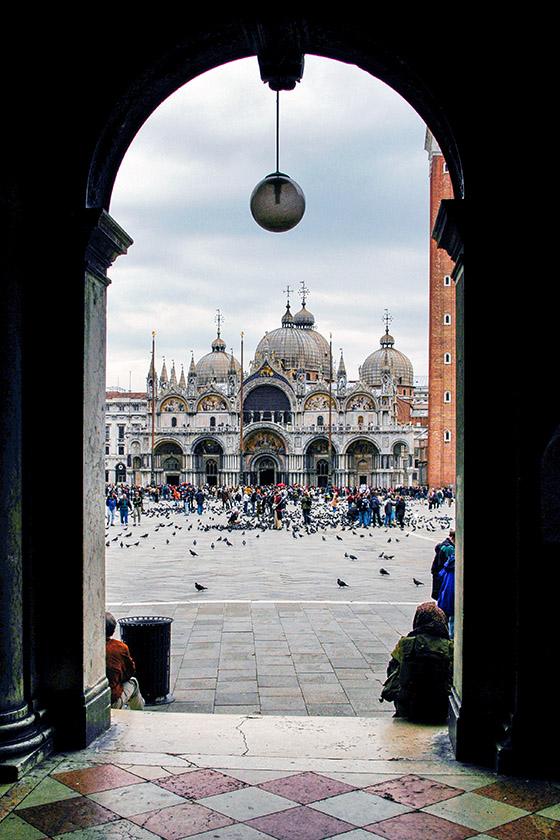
(296, 345)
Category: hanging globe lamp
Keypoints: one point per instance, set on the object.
(277, 202)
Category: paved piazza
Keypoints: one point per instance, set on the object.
(273, 633)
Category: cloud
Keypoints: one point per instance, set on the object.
(356, 148)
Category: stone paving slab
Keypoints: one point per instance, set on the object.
(273, 633)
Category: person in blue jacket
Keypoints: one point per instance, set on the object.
(111, 508)
(446, 597)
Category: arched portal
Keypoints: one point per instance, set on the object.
(207, 461)
(320, 462)
(80, 155)
(168, 463)
(265, 470)
(362, 458)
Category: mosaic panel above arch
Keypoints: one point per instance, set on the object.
(212, 402)
(173, 404)
(208, 446)
(264, 441)
(318, 402)
(360, 402)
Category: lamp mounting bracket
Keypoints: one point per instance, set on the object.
(280, 55)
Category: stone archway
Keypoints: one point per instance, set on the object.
(80, 155)
(72, 682)
(119, 98)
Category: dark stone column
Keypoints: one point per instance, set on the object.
(508, 532)
(73, 656)
(484, 609)
(53, 688)
(23, 737)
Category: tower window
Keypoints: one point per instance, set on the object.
(447, 358)
(447, 319)
(447, 436)
(447, 280)
(447, 397)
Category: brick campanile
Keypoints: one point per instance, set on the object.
(442, 335)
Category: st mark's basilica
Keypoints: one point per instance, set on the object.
(294, 417)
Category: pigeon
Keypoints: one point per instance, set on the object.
(194, 554)
(383, 572)
(199, 587)
(341, 582)
(417, 582)
(338, 538)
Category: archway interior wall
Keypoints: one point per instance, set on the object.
(215, 48)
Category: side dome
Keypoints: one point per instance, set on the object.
(217, 365)
(387, 360)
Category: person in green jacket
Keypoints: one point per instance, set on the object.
(306, 507)
(420, 672)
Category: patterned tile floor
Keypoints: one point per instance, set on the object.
(67, 797)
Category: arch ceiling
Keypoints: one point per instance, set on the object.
(159, 66)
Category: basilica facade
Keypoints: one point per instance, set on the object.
(293, 417)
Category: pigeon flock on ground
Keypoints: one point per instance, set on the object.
(170, 520)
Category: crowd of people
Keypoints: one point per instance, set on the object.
(364, 506)
(419, 674)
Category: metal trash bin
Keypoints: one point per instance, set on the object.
(149, 641)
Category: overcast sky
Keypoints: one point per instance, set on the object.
(354, 146)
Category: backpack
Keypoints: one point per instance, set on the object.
(424, 678)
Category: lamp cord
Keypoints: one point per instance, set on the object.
(277, 131)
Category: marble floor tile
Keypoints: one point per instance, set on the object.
(534, 797)
(247, 803)
(97, 778)
(306, 787)
(414, 791)
(180, 821)
(359, 808)
(300, 823)
(531, 827)
(48, 790)
(121, 829)
(198, 784)
(66, 815)
(136, 799)
(417, 825)
(475, 811)
(14, 828)
(238, 831)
